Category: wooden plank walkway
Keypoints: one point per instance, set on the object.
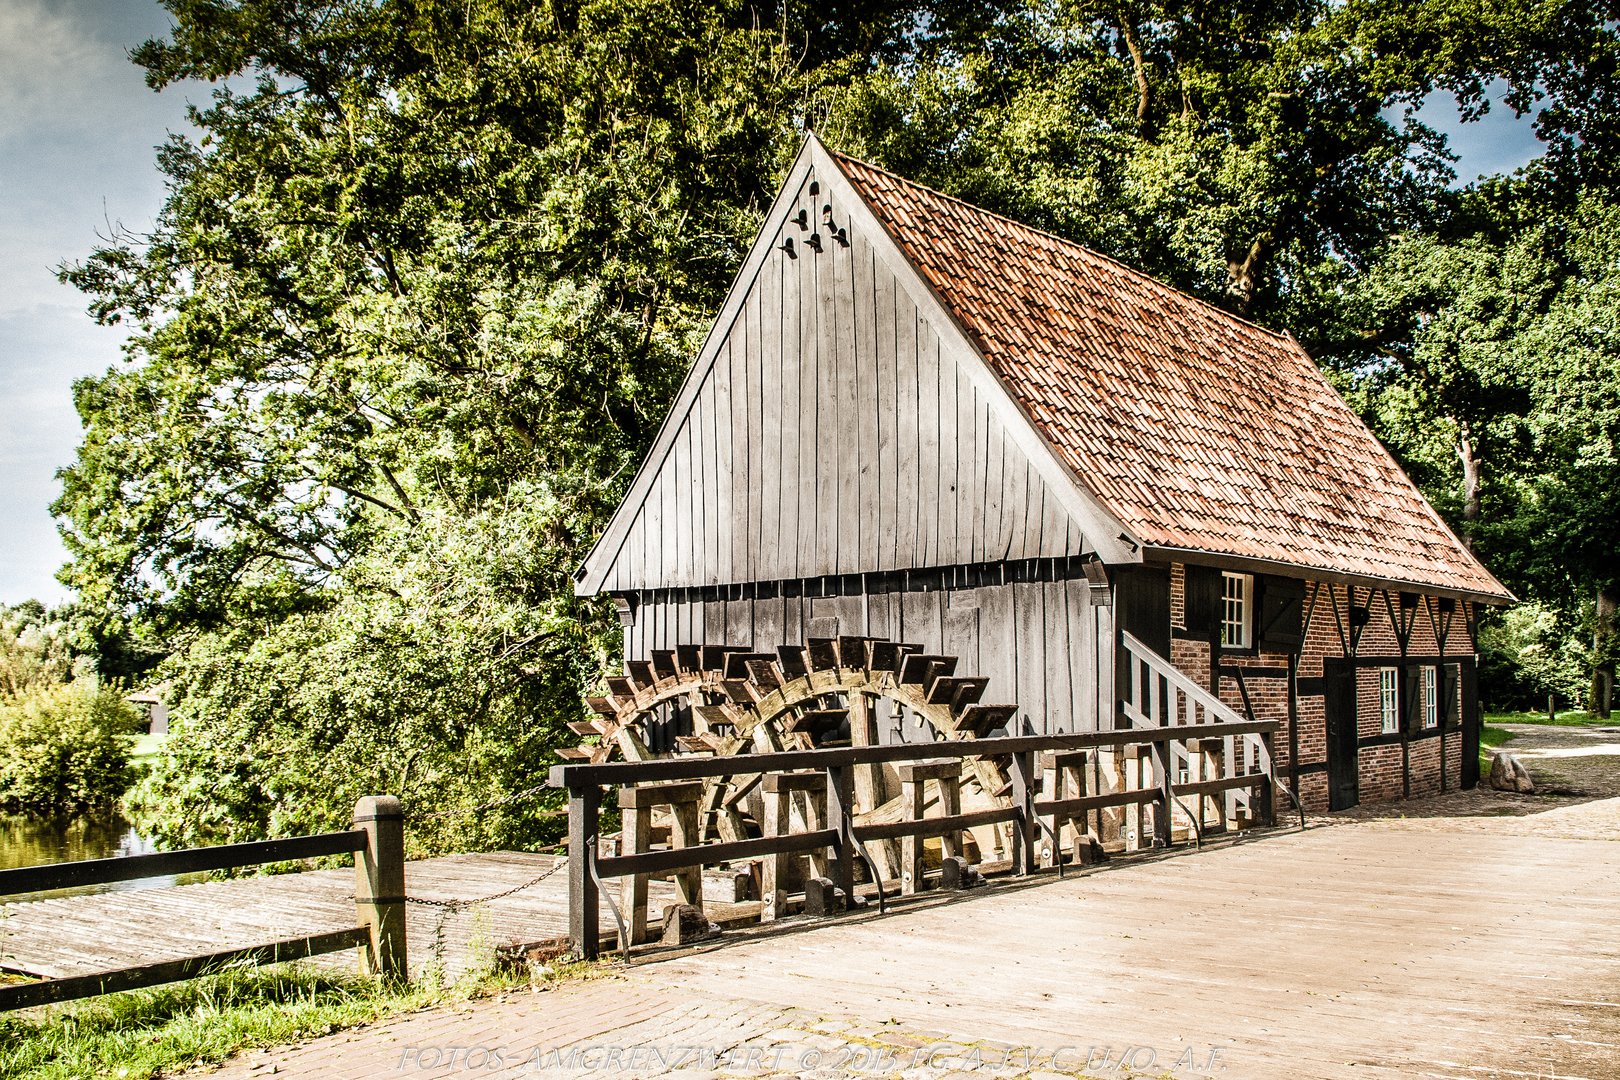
(1469, 936)
(1458, 945)
(79, 935)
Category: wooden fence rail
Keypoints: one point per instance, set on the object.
(1158, 793)
(377, 843)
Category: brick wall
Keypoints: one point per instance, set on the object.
(1386, 767)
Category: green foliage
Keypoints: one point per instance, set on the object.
(414, 307)
(1499, 348)
(1526, 653)
(65, 747)
(424, 677)
(35, 649)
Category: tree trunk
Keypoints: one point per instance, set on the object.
(1468, 455)
(1242, 278)
(1139, 67)
(1602, 701)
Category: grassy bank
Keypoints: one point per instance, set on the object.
(151, 1032)
(1567, 718)
(144, 749)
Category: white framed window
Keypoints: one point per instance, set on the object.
(1431, 697)
(1389, 718)
(1237, 610)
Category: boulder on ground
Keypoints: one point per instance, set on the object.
(1502, 775)
(1521, 776)
(1509, 774)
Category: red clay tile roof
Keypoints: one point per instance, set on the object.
(1197, 429)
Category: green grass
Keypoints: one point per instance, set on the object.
(145, 1033)
(145, 747)
(1567, 718)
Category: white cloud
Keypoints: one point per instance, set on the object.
(56, 68)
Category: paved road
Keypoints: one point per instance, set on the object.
(1467, 936)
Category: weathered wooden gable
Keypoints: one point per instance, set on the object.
(836, 422)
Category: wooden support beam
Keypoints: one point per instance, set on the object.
(841, 820)
(379, 885)
(584, 931)
(1022, 774)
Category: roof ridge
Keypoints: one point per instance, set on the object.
(1120, 264)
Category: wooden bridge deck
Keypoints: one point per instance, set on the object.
(80, 935)
(1469, 937)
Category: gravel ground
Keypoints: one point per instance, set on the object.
(1577, 775)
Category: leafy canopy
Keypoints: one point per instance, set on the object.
(427, 275)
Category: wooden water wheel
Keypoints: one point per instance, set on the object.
(738, 702)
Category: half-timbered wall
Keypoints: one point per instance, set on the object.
(1360, 630)
(1032, 638)
(834, 435)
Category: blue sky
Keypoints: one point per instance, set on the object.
(77, 132)
(78, 128)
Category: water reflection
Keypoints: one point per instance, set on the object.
(32, 841)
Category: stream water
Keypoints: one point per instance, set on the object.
(33, 841)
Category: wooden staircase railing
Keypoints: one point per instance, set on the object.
(1159, 694)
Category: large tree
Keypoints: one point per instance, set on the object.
(422, 286)
(1495, 372)
(427, 274)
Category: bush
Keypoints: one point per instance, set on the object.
(65, 747)
(1528, 652)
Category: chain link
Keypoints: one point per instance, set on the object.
(447, 908)
(459, 905)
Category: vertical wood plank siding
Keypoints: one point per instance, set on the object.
(831, 437)
(1033, 639)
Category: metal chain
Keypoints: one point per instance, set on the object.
(448, 908)
(458, 905)
(504, 800)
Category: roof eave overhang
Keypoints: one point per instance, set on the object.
(1159, 554)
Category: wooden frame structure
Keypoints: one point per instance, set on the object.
(839, 840)
(919, 421)
(376, 842)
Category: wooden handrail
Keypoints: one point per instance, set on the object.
(376, 842)
(585, 781)
(71, 875)
(658, 862)
(48, 991)
(579, 776)
(1159, 665)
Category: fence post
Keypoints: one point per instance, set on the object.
(841, 817)
(584, 932)
(1265, 811)
(1023, 798)
(379, 885)
(1164, 816)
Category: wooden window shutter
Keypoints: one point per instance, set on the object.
(1201, 600)
(1448, 693)
(1280, 617)
(1412, 698)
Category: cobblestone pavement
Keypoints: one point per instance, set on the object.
(1577, 775)
(1463, 936)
